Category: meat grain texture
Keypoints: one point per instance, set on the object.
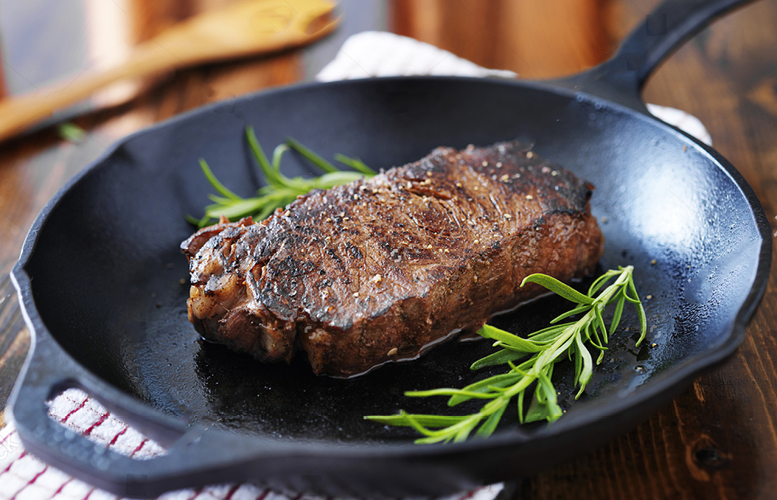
(378, 270)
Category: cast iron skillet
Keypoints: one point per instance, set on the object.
(99, 283)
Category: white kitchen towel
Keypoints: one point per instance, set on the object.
(23, 477)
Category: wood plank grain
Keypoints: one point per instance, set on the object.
(14, 338)
(11, 361)
(534, 38)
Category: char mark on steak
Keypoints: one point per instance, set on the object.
(375, 270)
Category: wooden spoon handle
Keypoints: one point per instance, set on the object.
(20, 112)
(197, 41)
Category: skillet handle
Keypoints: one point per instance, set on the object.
(48, 371)
(663, 31)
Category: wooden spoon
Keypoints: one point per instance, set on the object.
(245, 28)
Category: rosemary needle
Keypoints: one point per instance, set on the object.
(544, 349)
(279, 190)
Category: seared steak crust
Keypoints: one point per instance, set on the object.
(376, 270)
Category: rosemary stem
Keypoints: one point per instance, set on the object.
(545, 347)
(550, 355)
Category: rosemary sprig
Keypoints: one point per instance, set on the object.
(544, 349)
(279, 190)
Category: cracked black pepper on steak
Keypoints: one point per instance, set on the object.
(376, 270)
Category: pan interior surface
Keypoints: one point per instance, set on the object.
(107, 274)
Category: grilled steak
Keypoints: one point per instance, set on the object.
(377, 270)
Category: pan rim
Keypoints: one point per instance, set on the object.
(673, 381)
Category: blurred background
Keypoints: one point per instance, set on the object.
(46, 41)
(726, 76)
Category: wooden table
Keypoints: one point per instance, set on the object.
(718, 439)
